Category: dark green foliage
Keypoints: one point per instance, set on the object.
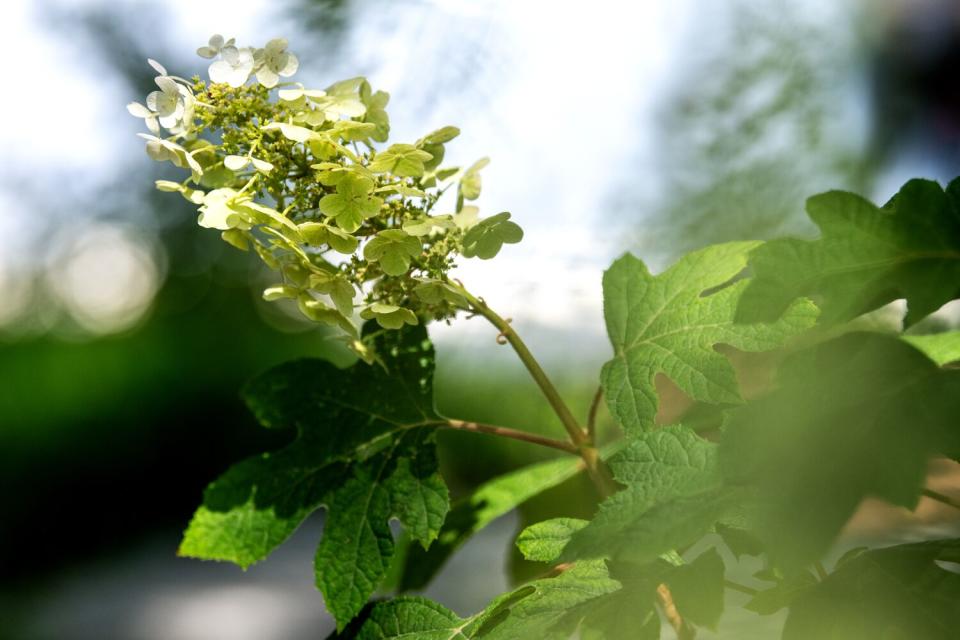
(866, 257)
(856, 416)
(896, 592)
(364, 449)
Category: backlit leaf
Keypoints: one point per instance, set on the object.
(670, 324)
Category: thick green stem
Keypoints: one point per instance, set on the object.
(578, 436)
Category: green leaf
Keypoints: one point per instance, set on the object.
(393, 249)
(364, 448)
(740, 541)
(674, 493)
(698, 589)
(782, 594)
(429, 225)
(539, 609)
(389, 316)
(292, 132)
(470, 183)
(442, 135)
(357, 545)
(942, 348)
(404, 160)
(532, 611)
(338, 288)
(437, 292)
(865, 257)
(666, 324)
(488, 502)
(485, 239)
(352, 203)
(897, 592)
(318, 234)
(412, 618)
(855, 416)
(318, 311)
(544, 541)
(376, 104)
(628, 614)
(350, 130)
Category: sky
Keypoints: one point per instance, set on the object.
(563, 100)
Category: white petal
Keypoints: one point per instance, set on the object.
(152, 100)
(168, 106)
(207, 52)
(262, 165)
(194, 165)
(267, 77)
(153, 125)
(291, 131)
(155, 151)
(287, 95)
(148, 137)
(172, 147)
(239, 75)
(230, 54)
(235, 163)
(168, 186)
(276, 45)
(167, 85)
(137, 110)
(245, 56)
(157, 66)
(216, 41)
(290, 67)
(220, 71)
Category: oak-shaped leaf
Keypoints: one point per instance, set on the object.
(697, 587)
(855, 416)
(670, 324)
(895, 592)
(485, 239)
(486, 503)
(539, 609)
(364, 450)
(352, 203)
(866, 256)
(674, 492)
(393, 250)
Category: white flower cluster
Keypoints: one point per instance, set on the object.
(236, 64)
(171, 106)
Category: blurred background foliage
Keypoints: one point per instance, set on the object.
(126, 331)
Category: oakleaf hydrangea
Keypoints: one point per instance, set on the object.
(294, 175)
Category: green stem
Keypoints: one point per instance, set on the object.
(507, 432)
(821, 571)
(578, 436)
(742, 588)
(939, 497)
(592, 415)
